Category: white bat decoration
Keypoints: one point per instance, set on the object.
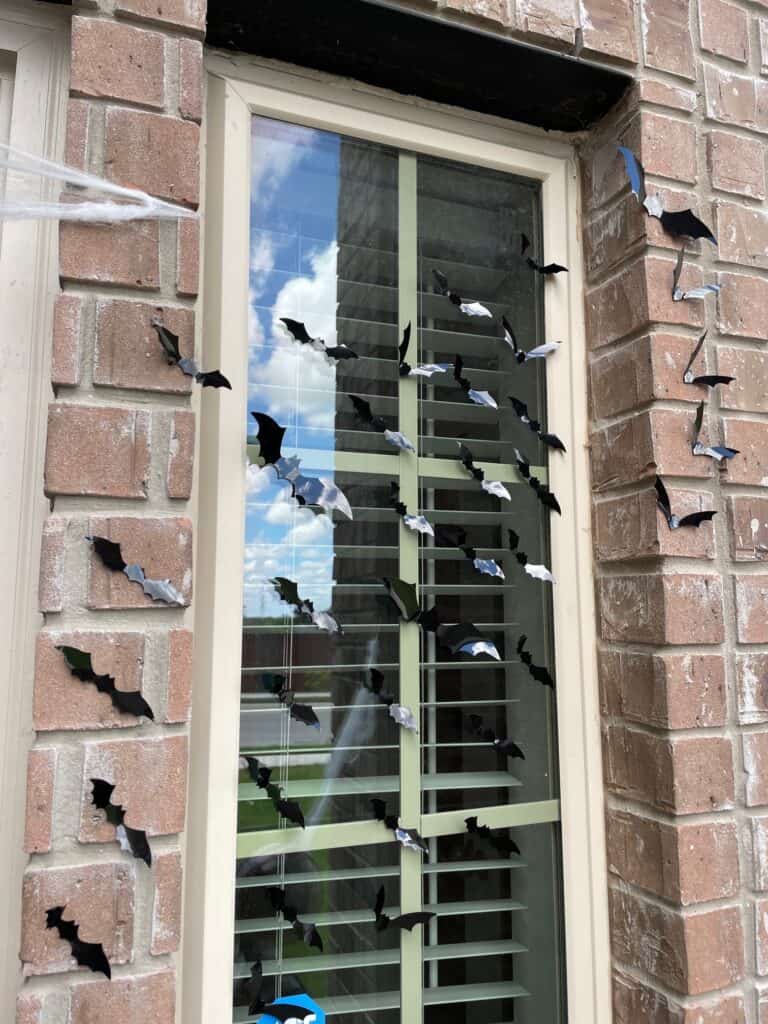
(403, 716)
(481, 647)
(497, 488)
(539, 572)
(394, 437)
(489, 567)
(325, 622)
(158, 590)
(428, 369)
(410, 839)
(419, 524)
(474, 309)
(482, 398)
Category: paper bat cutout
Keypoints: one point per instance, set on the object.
(87, 954)
(403, 716)
(680, 223)
(425, 370)
(678, 294)
(375, 686)
(308, 933)
(170, 343)
(417, 523)
(466, 638)
(538, 672)
(542, 492)
(299, 333)
(81, 667)
(365, 415)
(285, 1011)
(538, 572)
(289, 592)
(270, 437)
(275, 684)
(503, 746)
(521, 410)
(675, 522)
(547, 269)
(468, 306)
(715, 451)
(256, 1003)
(494, 487)
(407, 837)
(539, 352)
(407, 921)
(478, 397)
(132, 840)
(111, 556)
(456, 537)
(708, 380)
(261, 775)
(503, 844)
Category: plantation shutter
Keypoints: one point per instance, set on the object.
(345, 235)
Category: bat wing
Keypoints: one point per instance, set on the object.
(482, 398)
(290, 810)
(411, 840)
(169, 341)
(340, 352)
(442, 281)
(552, 268)
(548, 499)
(287, 590)
(129, 701)
(662, 499)
(409, 921)
(509, 335)
(541, 351)
(635, 173)
(474, 309)
(312, 937)
(212, 379)
(475, 647)
(697, 293)
(137, 841)
(162, 590)
(711, 380)
(109, 552)
(405, 343)
(404, 596)
(403, 716)
(270, 435)
(102, 793)
(428, 369)
(452, 536)
(687, 373)
(552, 441)
(298, 330)
(80, 664)
(379, 809)
(497, 489)
(539, 572)
(488, 567)
(521, 409)
(509, 747)
(419, 524)
(541, 675)
(698, 422)
(396, 438)
(91, 954)
(285, 1011)
(362, 408)
(696, 518)
(685, 223)
(456, 636)
(429, 620)
(304, 713)
(378, 906)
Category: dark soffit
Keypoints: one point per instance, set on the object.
(420, 56)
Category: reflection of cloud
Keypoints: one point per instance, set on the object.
(275, 155)
(262, 263)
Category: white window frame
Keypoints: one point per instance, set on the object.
(238, 88)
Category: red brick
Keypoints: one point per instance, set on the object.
(741, 306)
(665, 95)
(97, 450)
(187, 257)
(50, 585)
(631, 527)
(41, 778)
(763, 24)
(736, 164)
(751, 609)
(750, 439)
(152, 152)
(743, 237)
(604, 173)
(552, 21)
(750, 369)
(119, 62)
(76, 144)
(179, 675)
(661, 306)
(63, 702)
(181, 455)
(680, 863)
(752, 688)
(749, 528)
(670, 691)
(732, 98)
(761, 937)
(496, 11)
(668, 147)
(191, 79)
(680, 775)
(646, 369)
(188, 14)
(682, 609)
(758, 852)
(127, 352)
(99, 897)
(137, 768)
(147, 997)
(29, 1008)
(65, 351)
(691, 953)
(667, 35)
(166, 907)
(611, 234)
(119, 254)
(608, 27)
(755, 763)
(162, 547)
(724, 30)
(637, 1003)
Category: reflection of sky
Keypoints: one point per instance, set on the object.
(294, 203)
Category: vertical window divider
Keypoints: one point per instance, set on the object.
(410, 696)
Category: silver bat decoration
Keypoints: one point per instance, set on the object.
(158, 590)
(403, 716)
(394, 437)
(497, 488)
(717, 452)
(419, 524)
(489, 567)
(481, 647)
(679, 294)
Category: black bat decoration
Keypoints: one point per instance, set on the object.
(456, 537)
(289, 592)
(375, 685)
(468, 306)
(545, 269)
(478, 397)
(539, 352)
(708, 380)
(465, 638)
(503, 844)
(494, 487)
(502, 746)
(417, 523)
(111, 555)
(170, 344)
(132, 839)
(684, 294)
(681, 223)
(403, 367)
(300, 334)
(538, 572)
(256, 1003)
(402, 921)
(542, 492)
(537, 672)
(261, 775)
(308, 933)
(81, 667)
(675, 522)
(521, 410)
(270, 437)
(403, 596)
(407, 837)
(87, 954)
(714, 451)
(365, 414)
(275, 684)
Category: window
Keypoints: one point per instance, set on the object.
(351, 211)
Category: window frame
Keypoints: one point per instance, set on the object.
(237, 89)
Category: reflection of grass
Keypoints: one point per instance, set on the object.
(259, 814)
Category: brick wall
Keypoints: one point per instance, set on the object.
(683, 629)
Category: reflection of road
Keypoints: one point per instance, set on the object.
(261, 728)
